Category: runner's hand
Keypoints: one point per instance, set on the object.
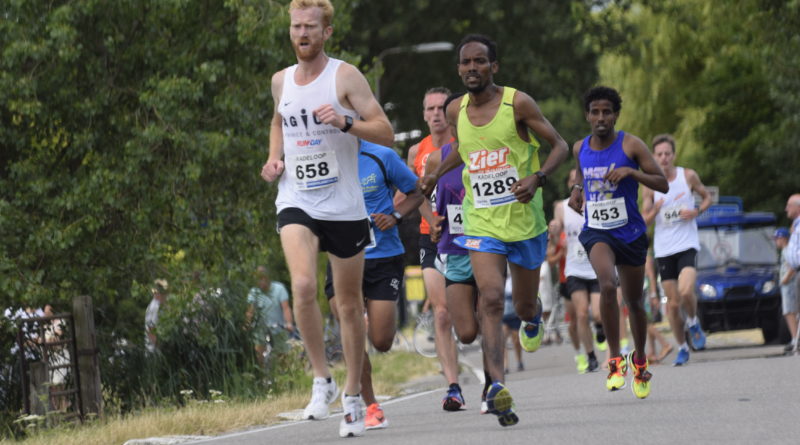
(436, 229)
(616, 175)
(271, 170)
(687, 214)
(576, 200)
(327, 115)
(426, 184)
(383, 221)
(525, 188)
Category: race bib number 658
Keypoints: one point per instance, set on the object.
(315, 170)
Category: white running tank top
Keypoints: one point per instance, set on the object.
(577, 264)
(321, 162)
(672, 234)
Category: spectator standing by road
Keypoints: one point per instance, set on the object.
(269, 314)
(159, 290)
(788, 282)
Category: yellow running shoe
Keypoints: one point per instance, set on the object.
(531, 333)
(641, 378)
(582, 363)
(617, 370)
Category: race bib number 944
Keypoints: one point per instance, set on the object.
(608, 214)
(493, 187)
(315, 170)
(672, 214)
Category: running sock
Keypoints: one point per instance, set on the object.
(455, 386)
(692, 321)
(487, 381)
(591, 355)
(601, 335)
(641, 361)
(580, 350)
(684, 346)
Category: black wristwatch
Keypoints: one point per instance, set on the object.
(398, 216)
(348, 122)
(542, 177)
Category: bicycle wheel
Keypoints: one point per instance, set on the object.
(401, 343)
(424, 342)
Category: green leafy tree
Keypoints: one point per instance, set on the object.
(716, 77)
(133, 133)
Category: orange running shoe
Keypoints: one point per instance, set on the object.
(375, 418)
(617, 370)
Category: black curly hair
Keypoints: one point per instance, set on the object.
(600, 93)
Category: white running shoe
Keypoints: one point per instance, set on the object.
(322, 395)
(352, 424)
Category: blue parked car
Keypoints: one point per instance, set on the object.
(737, 270)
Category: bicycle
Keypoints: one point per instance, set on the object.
(424, 338)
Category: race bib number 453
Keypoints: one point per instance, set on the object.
(493, 187)
(314, 170)
(608, 214)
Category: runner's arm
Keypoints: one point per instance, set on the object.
(649, 207)
(374, 126)
(648, 174)
(576, 196)
(558, 215)
(274, 165)
(527, 111)
(428, 181)
(412, 155)
(697, 186)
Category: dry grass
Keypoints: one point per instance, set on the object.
(389, 372)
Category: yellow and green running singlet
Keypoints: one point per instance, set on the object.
(494, 158)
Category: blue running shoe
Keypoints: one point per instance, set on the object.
(500, 403)
(453, 401)
(682, 358)
(697, 337)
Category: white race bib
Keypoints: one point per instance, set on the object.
(314, 169)
(455, 219)
(372, 243)
(608, 214)
(672, 214)
(492, 188)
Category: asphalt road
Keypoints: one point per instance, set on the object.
(734, 392)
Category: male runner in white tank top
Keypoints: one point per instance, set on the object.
(675, 242)
(322, 107)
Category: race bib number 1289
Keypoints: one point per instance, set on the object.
(493, 187)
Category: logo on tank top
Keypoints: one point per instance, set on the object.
(487, 159)
(598, 188)
(292, 121)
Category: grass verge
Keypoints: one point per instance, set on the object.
(390, 372)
